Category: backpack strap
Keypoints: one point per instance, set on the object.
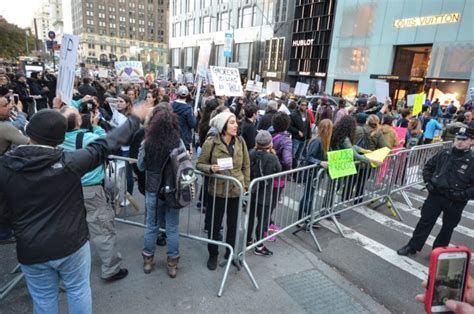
(79, 140)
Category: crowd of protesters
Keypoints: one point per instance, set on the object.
(62, 149)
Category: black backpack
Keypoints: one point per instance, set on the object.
(177, 179)
(364, 141)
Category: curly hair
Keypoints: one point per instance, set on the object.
(343, 128)
(161, 136)
(280, 122)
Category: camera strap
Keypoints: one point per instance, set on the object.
(79, 140)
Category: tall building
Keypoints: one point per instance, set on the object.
(257, 33)
(56, 18)
(43, 24)
(122, 30)
(311, 42)
(415, 46)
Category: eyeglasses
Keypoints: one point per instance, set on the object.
(461, 139)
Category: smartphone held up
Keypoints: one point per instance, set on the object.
(448, 272)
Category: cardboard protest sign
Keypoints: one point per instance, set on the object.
(117, 118)
(227, 81)
(254, 86)
(341, 163)
(284, 108)
(410, 100)
(284, 87)
(177, 73)
(67, 67)
(418, 103)
(129, 72)
(273, 88)
(301, 89)
(379, 155)
(103, 73)
(381, 90)
(188, 78)
(203, 58)
(401, 134)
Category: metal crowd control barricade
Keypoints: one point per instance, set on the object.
(8, 287)
(193, 218)
(276, 200)
(409, 168)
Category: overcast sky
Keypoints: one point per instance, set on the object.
(20, 12)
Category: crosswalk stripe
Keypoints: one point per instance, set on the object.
(386, 253)
(419, 198)
(416, 212)
(393, 224)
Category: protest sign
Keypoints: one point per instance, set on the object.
(117, 118)
(203, 58)
(471, 93)
(177, 73)
(254, 86)
(341, 163)
(67, 67)
(381, 90)
(129, 72)
(378, 155)
(227, 81)
(273, 88)
(284, 108)
(284, 87)
(103, 73)
(410, 100)
(188, 78)
(301, 89)
(401, 134)
(418, 103)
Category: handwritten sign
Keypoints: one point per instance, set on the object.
(273, 88)
(189, 78)
(418, 103)
(129, 72)
(381, 90)
(341, 163)
(226, 81)
(379, 155)
(301, 89)
(67, 67)
(203, 58)
(285, 87)
(254, 86)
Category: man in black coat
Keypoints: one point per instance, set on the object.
(49, 224)
(86, 88)
(38, 91)
(266, 120)
(299, 128)
(248, 129)
(449, 178)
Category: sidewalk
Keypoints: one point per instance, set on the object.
(293, 280)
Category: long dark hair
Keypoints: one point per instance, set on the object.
(344, 128)
(204, 127)
(161, 136)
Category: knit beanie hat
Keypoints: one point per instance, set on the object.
(263, 138)
(47, 127)
(220, 120)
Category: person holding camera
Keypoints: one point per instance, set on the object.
(99, 215)
(449, 178)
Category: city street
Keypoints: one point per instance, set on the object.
(361, 271)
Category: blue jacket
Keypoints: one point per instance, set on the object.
(97, 175)
(187, 120)
(431, 127)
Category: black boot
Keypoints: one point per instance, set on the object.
(406, 250)
(161, 240)
(212, 262)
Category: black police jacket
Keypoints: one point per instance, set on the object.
(41, 195)
(451, 170)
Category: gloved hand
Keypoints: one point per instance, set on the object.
(430, 187)
(458, 195)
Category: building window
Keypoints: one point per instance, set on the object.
(243, 51)
(245, 17)
(412, 60)
(103, 47)
(190, 27)
(224, 21)
(175, 57)
(189, 57)
(206, 25)
(345, 89)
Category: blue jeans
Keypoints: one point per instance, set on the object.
(298, 146)
(74, 270)
(156, 211)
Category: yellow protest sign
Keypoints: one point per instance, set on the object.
(418, 103)
(341, 163)
(379, 155)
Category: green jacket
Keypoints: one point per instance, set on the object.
(241, 162)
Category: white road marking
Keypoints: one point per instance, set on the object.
(416, 212)
(421, 199)
(386, 253)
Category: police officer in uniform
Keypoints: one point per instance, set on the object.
(449, 178)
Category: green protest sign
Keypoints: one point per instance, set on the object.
(341, 163)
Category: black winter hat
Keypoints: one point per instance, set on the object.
(47, 127)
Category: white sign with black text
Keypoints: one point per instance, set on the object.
(67, 67)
